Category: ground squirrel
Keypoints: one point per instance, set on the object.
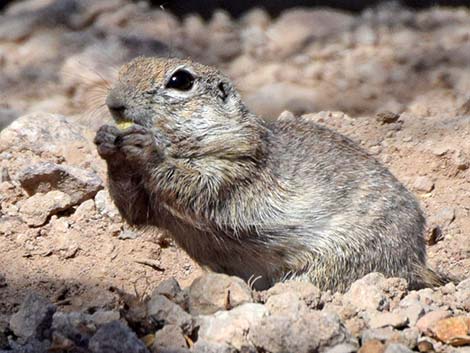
(272, 201)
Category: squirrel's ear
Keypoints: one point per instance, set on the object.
(223, 91)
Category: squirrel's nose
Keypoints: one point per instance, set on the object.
(115, 105)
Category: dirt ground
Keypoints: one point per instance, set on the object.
(395, 81)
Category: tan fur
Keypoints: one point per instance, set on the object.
(285, 200)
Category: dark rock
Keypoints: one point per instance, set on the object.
(77, 327)
(3, 281)
(102, 317)
(116, 337)
(34, 318)
(169, 288)
(32, 345)
(170, 336)
(3, 334)
(387, 117)
(163, 311)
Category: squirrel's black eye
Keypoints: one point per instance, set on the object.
(181, 80)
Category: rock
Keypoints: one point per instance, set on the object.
(225, 45)
(439, 150)
(169, 288)
(231, 327)
(462, 294)
(365, 35)
(127, 233)
(79, 184)
(342, 348)
(203, 346)
(305, 291)
(427, 321)
(170, 336)
(213, 292)
(425, 346)
(423, 184)
(256, 17)
(105, 205)
(84, 212)
(464, 285)
(287, 303)
(76, 327)
(413, 312)
(461, 160)
(382, 319)
(372, 346)
(387, 117)
(365, 294)
(397, 348)
(293, 29)
(272, 99)
(116, 337)
(33, 345)
(163, 311)
(453, 330)
(314, 331)
(382, 334)
(4, 334)
(444, 217)
(49, 134)
(386, 335)
(101, 317)
(38, 208)
(34, 318)
(408, 337)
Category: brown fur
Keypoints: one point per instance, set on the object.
(287, 200)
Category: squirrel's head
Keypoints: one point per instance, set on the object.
(192, 106)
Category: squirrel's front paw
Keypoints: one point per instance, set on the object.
(137, 144)
(105, 141)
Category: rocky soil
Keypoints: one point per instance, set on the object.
(72, 274)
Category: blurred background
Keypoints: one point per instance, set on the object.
(355, 56)
(274, 7)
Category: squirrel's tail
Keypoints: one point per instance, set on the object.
(431, 278)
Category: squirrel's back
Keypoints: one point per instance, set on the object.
(348, 210)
